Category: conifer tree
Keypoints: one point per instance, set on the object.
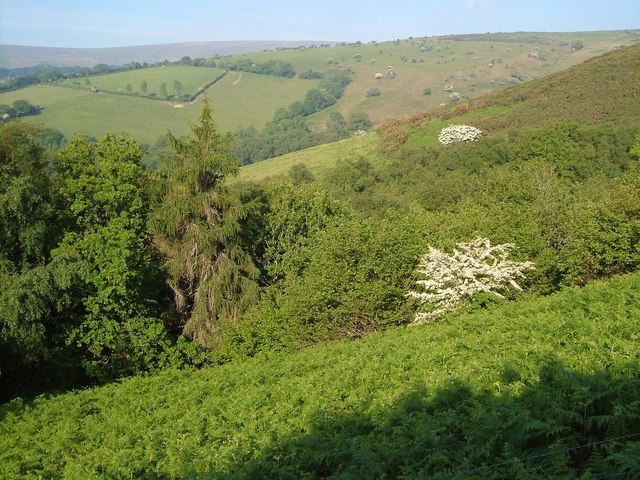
(197, 228)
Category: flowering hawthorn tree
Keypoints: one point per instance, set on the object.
(473, 268)
(459, 133)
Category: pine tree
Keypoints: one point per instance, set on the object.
(197, 227)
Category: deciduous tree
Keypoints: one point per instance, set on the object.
(107, 191)
(473, 268)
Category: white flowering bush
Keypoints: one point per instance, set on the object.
(473, 268)
(459, 133)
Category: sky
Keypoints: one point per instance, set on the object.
(114, 23)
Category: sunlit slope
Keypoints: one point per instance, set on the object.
(319, 159)
(239, 100)
(433, 62)
(527, 379)
(604, 89)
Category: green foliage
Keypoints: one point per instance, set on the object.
(530, 386)
(300, 173)
(27, 214)
(107, 190)
(345, 280)
(33, 293)
(310, 75)
(197, 227)
(635, 151)
(276, 68)
(296, 213)
(162, 90)
(563, 193)
(359, 121)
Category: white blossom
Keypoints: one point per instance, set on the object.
(473, 268)
(459, 133)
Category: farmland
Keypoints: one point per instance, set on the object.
(471, 65)
(75, 109)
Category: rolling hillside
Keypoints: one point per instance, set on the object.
(539, 388)
(604, 89)
(468, 66)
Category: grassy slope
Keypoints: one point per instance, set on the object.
(192, 79)
(320, 159)
(237, 102)
(524, 378)
(602, 89)
(403, 95)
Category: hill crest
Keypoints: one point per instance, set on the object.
(15, 56)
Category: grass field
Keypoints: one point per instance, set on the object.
(522, 380)
(319, 160)
(239, 100)
(243, 99)
(192, 80)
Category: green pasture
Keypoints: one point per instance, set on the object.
(320, 159)
(191, 78)
(244, 99)
(74, 111)
(239, 100)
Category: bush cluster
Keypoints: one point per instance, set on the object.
(459, 133)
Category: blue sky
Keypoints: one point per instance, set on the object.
(111, 23)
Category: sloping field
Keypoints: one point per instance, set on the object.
(541, 388)
(192, 80)
(603, 89)
(432, 62)
(243, 99)
(319, 159)
(239, 100)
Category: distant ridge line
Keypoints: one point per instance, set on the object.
(15, 56)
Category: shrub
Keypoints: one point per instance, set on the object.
(473, 268)
(459, 133)
(393, 136)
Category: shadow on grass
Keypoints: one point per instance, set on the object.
(567, 425)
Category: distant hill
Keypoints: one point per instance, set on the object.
(389, 80)
(15, 56)
(603, 89)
